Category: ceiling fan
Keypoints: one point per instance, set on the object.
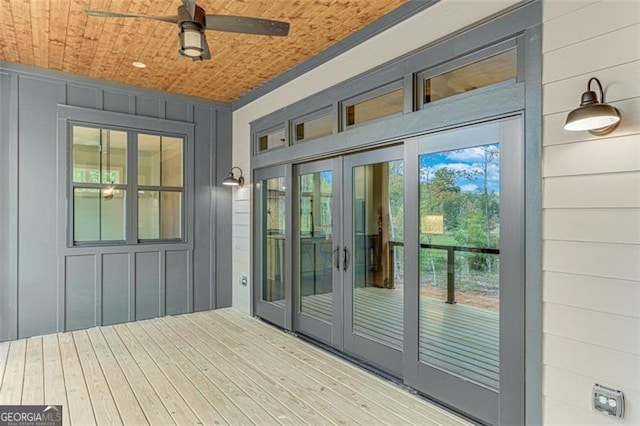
(193, 21)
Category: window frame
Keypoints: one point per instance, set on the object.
(452, 65)
(320, 113)
(366, 96)
(69, 116)
(267, 132)
(160, 189)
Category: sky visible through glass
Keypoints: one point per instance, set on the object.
(469, 166)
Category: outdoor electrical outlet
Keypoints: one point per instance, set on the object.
(243, 280)
(608, 401)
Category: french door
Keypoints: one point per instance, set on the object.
(348, 218)
(409, 258)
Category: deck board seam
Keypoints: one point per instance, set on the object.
(321, 359)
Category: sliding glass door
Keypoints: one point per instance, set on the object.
(467, 316)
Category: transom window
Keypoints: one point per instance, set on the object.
(126, 186)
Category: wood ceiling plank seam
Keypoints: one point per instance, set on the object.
(126, 35)
(110, 31)
(39, 10)
(58, 19)
(8, 43)
(166, 64)
(91, 36)
(21, 17)
(129, 53)
(148, 38)
(75, 32)
(111, 51)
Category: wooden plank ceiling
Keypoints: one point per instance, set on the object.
(56, 34)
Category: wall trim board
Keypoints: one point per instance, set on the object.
(60, 76)
(533, 226)
(9, 289)
(387, 21)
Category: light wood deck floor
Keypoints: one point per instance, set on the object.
(216, 367)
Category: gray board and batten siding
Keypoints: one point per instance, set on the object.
(48, 286)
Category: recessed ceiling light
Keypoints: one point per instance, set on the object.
(139, 64)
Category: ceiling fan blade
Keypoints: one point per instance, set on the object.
(206, 54)
(103, 14)
(190, 5)
(247, 25)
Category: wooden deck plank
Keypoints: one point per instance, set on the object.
(275, 407)
(54, 387)
(239, 395)
(4, 352)
(404, 400)
(175, 405)
(104, 407)
(149, 401)
(123, 396)
(11, 390)
(359, 393)
(219, 366)
(33, 386)
(311, 408)
(79, 410)
(215, 395)
(200, 406)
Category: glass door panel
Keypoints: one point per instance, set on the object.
(459, 262)
(318, 297)
(467, 271)
(316, 244)
(272, 265)
(374, 236)
(274, 231)
(377, 252)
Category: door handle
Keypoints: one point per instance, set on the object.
(336, 254)
(345, 257)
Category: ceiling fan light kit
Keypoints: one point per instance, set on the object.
(193, 21)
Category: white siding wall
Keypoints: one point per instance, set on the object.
(591, 202)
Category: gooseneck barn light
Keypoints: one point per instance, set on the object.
(593, 115)
(231, 180)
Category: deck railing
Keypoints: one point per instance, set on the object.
(451, 261)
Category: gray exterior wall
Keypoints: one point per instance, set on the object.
(45, 288)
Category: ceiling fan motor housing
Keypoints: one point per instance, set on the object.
(191, 32)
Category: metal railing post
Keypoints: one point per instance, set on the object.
(451, 275)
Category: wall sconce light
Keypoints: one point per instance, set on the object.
(231, 179)
(597, 117)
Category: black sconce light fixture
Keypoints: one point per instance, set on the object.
(593, 115)
(231, 180)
